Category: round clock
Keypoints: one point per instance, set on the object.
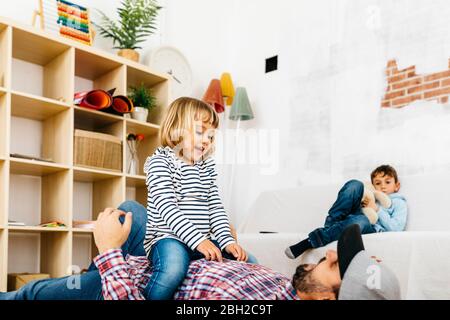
(171, 61)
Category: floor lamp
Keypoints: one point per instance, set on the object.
(241, 110)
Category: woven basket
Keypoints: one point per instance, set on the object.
(97, 150)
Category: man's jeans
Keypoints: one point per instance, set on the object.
(88, 286)
(344, 212)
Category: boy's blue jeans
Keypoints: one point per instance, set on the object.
(344, 212)
(86, 286)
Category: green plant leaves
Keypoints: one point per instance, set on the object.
(142, 97)
(137, 21)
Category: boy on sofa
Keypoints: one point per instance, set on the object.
(347, 210)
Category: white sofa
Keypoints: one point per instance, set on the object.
(420, 256)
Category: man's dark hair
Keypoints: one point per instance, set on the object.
(385, 170)
(304, 282)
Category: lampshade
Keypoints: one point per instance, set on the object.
(227, 87)
(213, 96)
(241, 108)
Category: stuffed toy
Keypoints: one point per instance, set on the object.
(382, 198)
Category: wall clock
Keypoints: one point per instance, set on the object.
(170, 61)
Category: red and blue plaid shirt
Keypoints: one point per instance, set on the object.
(206, 280)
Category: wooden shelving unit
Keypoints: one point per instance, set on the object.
(59, 189)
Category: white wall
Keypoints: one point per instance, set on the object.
(325, 98)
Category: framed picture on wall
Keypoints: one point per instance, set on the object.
(66, 19)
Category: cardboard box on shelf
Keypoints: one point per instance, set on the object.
(17, 280)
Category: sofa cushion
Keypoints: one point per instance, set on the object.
(304, 208)
(420, 260)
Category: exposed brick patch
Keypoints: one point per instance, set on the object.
(436, 93)
(405, 86)
(406, 100)
(424, 87)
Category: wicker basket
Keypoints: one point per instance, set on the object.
(98, 150)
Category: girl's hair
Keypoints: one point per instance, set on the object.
(180, 119)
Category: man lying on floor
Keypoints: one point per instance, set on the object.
(123, 272)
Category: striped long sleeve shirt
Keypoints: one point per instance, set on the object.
(183, 201)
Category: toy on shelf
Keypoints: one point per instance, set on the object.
(104, 101)
(52, 224)
(65, 18)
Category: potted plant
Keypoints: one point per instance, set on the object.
(143, 100)
(137, 21)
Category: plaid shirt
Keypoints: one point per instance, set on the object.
(206, 280)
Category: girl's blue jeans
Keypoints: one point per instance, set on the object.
(87, 286)
(344, 212)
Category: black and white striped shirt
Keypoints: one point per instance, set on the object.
(183, 201)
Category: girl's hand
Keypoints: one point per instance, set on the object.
(237, 251)
(210, 251)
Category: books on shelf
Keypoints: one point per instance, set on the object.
(23, 156)
(13, 223)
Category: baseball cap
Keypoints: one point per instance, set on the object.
(363, 278)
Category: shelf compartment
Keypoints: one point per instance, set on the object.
(4, 125)
(93, 175)
(4, 181)
(34, 107)
(83, 251)
(48, 66)
(48, 125)
(136, 189)
(36, 229)
(36, 252)
(135, 181)
(82, 231)
(34, 167)
(92, 120)
(35, 48)
(146, 128)
(39, 194)
(3, 259)
(146, 146)
(5, 56)
(93, 71)
(96, 121)
(92, 197)
(159, 86)
(137, 75)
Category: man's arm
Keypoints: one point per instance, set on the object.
(110, 235)
(116, 281)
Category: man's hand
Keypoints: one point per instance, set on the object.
(210, 251)
(109, 233)
(237, 251)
